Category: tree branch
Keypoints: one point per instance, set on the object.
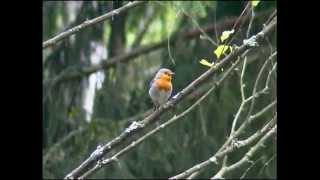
(88, 23)
(254, 95)
(60, 142)
(143, 26)
(257, 81)
(225, 159)
(246, 160)
(134, 128)
(236, 133)
(267, 163)
(248, 169)
(263, 110)
(219, 155)
(80, 71)
(172, 120)
(251, 21)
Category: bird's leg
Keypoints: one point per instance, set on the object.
(167, 105)
(156, 106)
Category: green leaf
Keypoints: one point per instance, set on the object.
(225, 35)
(206, 63)
(221, 49)
(255, 3)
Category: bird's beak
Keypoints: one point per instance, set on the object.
(172, 73)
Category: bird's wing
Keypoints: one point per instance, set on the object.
(151, 82)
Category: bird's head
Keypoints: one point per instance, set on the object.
(164, 74)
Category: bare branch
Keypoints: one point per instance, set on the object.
(240, 20)
(194, 175)
(89, 23)
(251, 21)
(222, 153)
(134, 128)
(248, 169)
(200, 29)
(235, 134)
(75, 72)
(241, 79)
(78, 72)
(274, 14)
(162, 126)
(143, 26)
(263, 110)
(225, 159)
(257, 81)
(252, 138)
(246, 160)
(245, 101)
(58, 144)
(215, 159)
(267, 163)
(269, 75)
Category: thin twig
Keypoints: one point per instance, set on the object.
(265, 109)
(194, 175)
(214, 159)
(135, 128)
(248, 169)
(251, 21)
(194, 21)
(239, 20)
(162, 126)
(251, 98)
(267, 163)
(225, 159)
(242, 85)
(269, 75)
(231, 137)
(89, 23)
(257, 81)
(246, 160)
(75, 72)
(143, 26)
(215, 24)
(59, 143)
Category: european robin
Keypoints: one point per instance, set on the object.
(161, 87)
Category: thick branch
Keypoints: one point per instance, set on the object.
(172, 120)
(88, 23)
(101, 151)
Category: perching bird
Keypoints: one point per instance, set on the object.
(161, 87)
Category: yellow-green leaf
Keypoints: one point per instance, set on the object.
(225, 35)
(255, 3)
(221, 49)
(206, 63)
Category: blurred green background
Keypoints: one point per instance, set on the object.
(82, 113)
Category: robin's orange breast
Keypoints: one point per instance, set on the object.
(164, 84)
